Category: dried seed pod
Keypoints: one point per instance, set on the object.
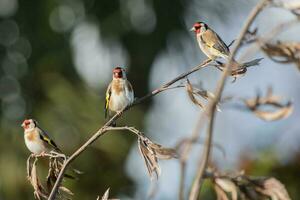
(279, 110)
(151, 152)
(227, 186)
(283, 52)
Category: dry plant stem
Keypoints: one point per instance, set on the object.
(186, 151)
(166, 85)
(182, 179)
(211, 109)
(103, 129)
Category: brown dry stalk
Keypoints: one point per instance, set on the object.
(103, 129)
(211, 109)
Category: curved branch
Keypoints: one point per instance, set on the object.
(104, 129)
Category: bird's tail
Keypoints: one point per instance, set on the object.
(237, 69)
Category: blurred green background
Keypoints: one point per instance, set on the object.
(45, 74)
(39, 80)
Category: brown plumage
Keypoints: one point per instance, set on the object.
(32, 135)
(213, 40)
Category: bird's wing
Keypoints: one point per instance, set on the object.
(45, 138)
(107, 99)
(129, 91)
(212, 39)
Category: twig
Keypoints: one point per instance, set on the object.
(261, 41)
(186, 151)
(131, 129)
(212, 106)
(103, 129)
(166, 85)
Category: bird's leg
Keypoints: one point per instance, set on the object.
(42, 154)
(120, 112)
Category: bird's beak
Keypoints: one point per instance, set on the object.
(22, 125)
(192, 29)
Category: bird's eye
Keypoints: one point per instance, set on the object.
(118, 74)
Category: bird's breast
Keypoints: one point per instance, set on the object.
(33, 142)
(118, 87)
(31, 136)
(119, 97)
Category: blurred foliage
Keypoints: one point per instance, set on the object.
(38, 80)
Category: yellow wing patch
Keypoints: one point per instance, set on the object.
(107, 99)
(48, 140)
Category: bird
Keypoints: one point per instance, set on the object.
(214, 47)
(36, 139)
(119, 93)
(39, 144)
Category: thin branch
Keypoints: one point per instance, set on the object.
(212, 106)
(103, 129)
(186, 151)
(131, 129)
(166, 85)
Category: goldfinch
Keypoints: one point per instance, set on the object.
(119, 93)
(213, 46)
(36, 139)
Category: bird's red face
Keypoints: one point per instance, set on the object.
(118, 72)
(26, 123)
(198, 27)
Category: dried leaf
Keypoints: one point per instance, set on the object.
(287, 52)
(190, 91)
(228, 186)
(273, 188)
(151, 152)
(76, 171)
(66, 190)
(162, 152)
(250, 188)
(105, 195)
(28, 167)
(221, 195)
(55, 163)
(149, 158)
(279, 110)
(193, 92)
(280, 113)
(39, 191)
